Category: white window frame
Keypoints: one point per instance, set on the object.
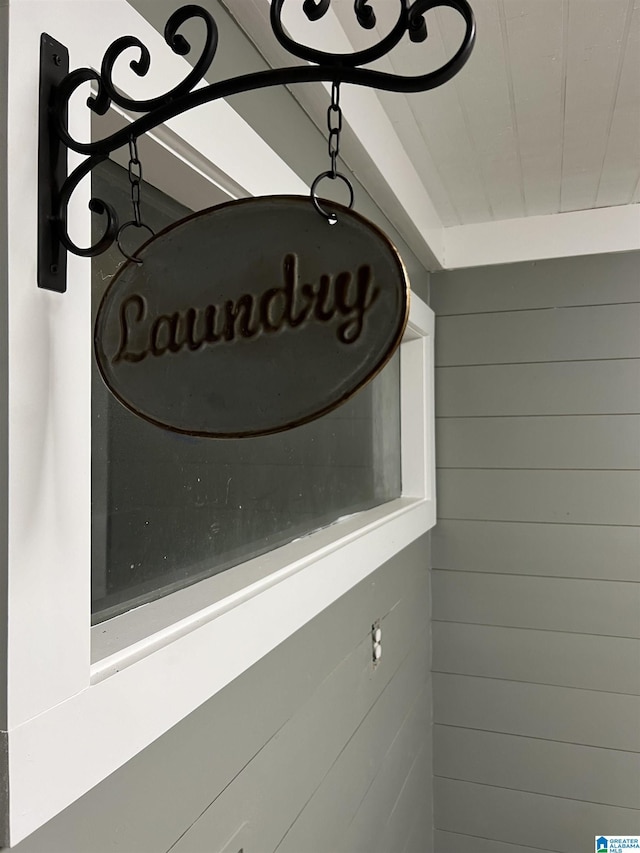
(70, 722)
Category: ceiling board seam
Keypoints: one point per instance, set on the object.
(563, 97)
(410, 103)
(512, 99)
(465, 116)
(616, 92)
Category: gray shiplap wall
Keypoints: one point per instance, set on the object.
(536, 556)
(312, 750)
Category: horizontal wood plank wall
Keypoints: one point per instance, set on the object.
(536, 556)
(312, 750)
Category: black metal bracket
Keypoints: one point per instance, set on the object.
(57, 86)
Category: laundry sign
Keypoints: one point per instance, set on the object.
(251, 317)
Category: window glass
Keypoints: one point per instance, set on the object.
(169, 510)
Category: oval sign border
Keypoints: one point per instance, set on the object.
(339, 209)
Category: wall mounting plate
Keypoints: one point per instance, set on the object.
(52, 168)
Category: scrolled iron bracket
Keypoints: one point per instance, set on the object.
(57, 87)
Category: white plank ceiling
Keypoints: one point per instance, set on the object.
(544, 119)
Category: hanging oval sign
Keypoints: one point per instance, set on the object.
(251, 317)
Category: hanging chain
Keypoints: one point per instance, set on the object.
(135, 177)
(334, 123)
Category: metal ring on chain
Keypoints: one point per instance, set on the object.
(119, 236)
(330, 217)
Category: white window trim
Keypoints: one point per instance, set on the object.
(71, 723)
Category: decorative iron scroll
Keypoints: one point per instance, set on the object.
(326, 67)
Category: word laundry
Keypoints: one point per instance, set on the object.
(342, 299)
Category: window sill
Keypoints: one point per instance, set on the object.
(129, 638)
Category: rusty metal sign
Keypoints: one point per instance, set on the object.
(251, 317)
